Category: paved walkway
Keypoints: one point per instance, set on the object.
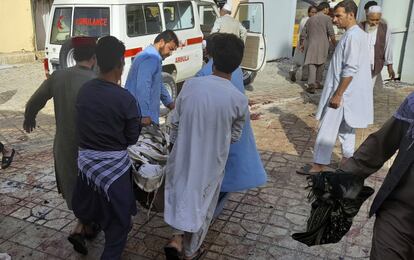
(256, 224)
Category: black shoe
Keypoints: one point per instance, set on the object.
(310, 89)
(292, 75)
(79, 244)
(7, 160)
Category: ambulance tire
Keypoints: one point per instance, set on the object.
(248, 77)
(171, 87)
(66, 58)
(170, 84)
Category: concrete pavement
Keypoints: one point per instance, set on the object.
(256, 224)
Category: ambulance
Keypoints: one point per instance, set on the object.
(137, 22)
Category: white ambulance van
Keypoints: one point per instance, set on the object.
(138, 22)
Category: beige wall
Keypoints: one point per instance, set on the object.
(16, 26)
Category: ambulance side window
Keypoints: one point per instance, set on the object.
(143, 19)
(178, 15)
(62, 21)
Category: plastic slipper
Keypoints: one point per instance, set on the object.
(305, 170)
(78, 243)
(7, 160)
(172, 253)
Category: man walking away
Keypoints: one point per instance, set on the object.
(379, 41)
(108, 122)
(209, 116)
(227, 24)
(347, 98)
(318, 34)
(144, 80)
(63, 86)
(299, 56)
(394, 203)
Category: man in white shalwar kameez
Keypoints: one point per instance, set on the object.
(209, 116)
(347, 98)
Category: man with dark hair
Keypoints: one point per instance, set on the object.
(299, 56)
(108, 121)
(63, 86)
(347, 99)
(318, 34)
(144, 80)
(209, 116)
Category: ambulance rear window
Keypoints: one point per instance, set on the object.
(91, 21)
(62, 21)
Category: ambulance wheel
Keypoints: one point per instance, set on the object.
(248, 77)
(169, 84)
(171, 87)
(66, 58)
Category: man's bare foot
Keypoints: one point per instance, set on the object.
(78, 229)
(317, 168)
(176, 242)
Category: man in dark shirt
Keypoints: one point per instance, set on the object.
(63, 86)
(108, 121)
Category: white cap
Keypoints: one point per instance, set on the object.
(227, 7)
(375, 9)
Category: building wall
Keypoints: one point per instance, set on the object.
(407, 73)
(16, 26)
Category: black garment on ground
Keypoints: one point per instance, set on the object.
(1, 147)
(107, 117)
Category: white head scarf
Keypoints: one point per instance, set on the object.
(227, 7)
(375, 9)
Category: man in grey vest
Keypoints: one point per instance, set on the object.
(318, 34)
(227, 24)
(379, 40)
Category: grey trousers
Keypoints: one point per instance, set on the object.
(391, 238)
(315, 73)
(193, 241)
(305, 70)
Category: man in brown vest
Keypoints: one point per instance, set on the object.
(379, 40)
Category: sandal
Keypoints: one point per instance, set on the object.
(305, 170)
(7, 160)
(79, 244)
(172, 253)
(200, 253)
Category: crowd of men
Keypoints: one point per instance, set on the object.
(214, 150)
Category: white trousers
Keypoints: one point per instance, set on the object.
(332, 126)
(374, 79)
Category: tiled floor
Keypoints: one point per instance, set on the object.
(256, 224)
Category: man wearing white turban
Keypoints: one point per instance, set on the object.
(379, 41)
(227, 24)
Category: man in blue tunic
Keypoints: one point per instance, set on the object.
(144, 80)
(244, 169)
